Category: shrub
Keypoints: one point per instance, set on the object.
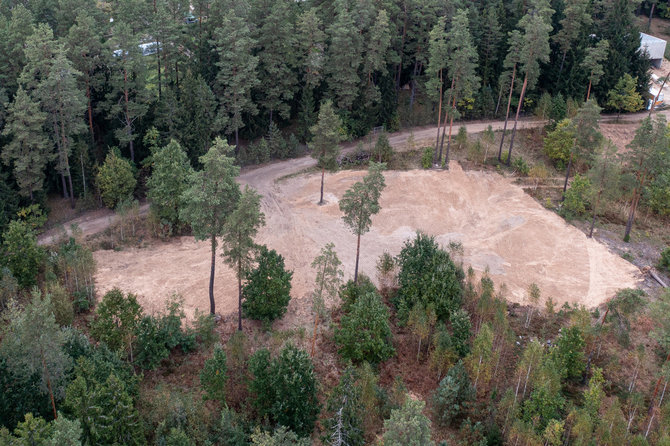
(461, 139)
(364, 333)
(664, 262)
(453, 395)
(383, 151)
(520, 165)
(427, 157)
(62, 305)
(231, 430)
(576, 198)
(117, 319)
(657, 194)
(558, 143)
(20, 252)
(284, 388)
(116, 180)
(351, 291)
(427, 275)
(204, 328)
(408, 426)
(280, 437)
(213, 376)
(268, 288)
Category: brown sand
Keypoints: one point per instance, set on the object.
(501, 228)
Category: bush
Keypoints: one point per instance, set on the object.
(408, 426)
(116, 180)
(364, 333)
(268, 288)
(427, 157)
(429, 276)
(576, 198)
(280, 437)
(461, 139)
(213, 376)
(558, 143)
(284, 389)
(204, 328)
(383, 151)
(568, 354)
(453, 395)
(351, 291)
(117, 319)
(664, 262)
(20, 252)
(520, 165)
(62, 305)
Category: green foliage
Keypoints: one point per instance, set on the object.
(657, 193)
(624, 305)
(116, 180)
(168, 181)
(117, 319)
(520, 166)
(20, 252)
(408, 426)
(75, 265)
(280, 437)
(36, 431)
(453, 395)
(383, 151)
(213, 376)
(659, 311)
(664, 261)
(231, 430)
(351, 291)
(328, 278)
(345, 424)
(427, 158)
(460, 327)
(284, 388)
(577, 198)
(361, 201)
(558, 143)
(364, 333)
(624, 95)
(558, 110)
(427, 275)
(62, 305)
(543, 106)
(267, 291)
(327, 137)
(568, 354)
(542, 407)
(204, 328)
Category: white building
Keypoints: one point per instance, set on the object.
(654, 46)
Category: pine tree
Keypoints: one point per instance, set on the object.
(325, 143)
(374, 60)
(489, 44)
(604, 176)
(408, 426)
(536, 25)
(127, 98)
(327, 282)
(344, 56)
(275, 43)
(438, 51)
(624, 96)
(361, 202)
(576, 16)
(29, 150)
(197, 116)
(587, 136)
(14, 33)
(592, 63)
(511, 64)
(461, 65)
(237, 74)
(238, 238)
(312, 57)
(168, 181)
(211, 197)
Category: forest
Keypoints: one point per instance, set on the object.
(150, 113)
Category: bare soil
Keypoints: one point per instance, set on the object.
(501, 228)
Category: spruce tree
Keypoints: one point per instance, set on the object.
(576, 17)
(29, 150)
(378, 41)
(237, 74)
(344, 56)
(168, 181)
(196, 116)
(489, 44)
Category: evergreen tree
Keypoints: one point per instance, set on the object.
(267, 291)
(507, 78)
(438, 51)
(328, 278)
(196, 116)
(624, 96)
(489, 44)
(374, 60)
(604, 176)
(211, 197)
(275, 42)
(361, 202)
(127, 97)
(587, 136)
(32, 343)
(325, 143)
(238, 238)
(14, 33)
(237, 74)
(29, 150)
(168, 181)
(344, 427)
(576, 17)
(344, 56)
(536, 25)
(312, 44)
(407, 425)
(461, 65)
(592, 63)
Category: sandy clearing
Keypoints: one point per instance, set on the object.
(501, 228)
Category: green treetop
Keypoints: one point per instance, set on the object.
(325, 143)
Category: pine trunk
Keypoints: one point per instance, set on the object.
(516, 120)
(588, 92)
(316, 325)
(439, 120)
(595, 210)
(451, 125)
(509, 104)
(90, 110)
(358, 251)
(51, 392)
(567, 176)
(323, 174)
(239, 296)
(212, 308)
(444, 126)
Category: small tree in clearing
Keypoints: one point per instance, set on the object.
(325, 144)
(238, 238)
(361, 202)
(327, 282)
(268, 288)
(534, 298)
(624, 97)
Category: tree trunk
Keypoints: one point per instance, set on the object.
(237, 140)
(212, 308)
(631, 215)
(651, 14)
(588, 92)
(560, 70)
(451, 124)
(316, 325)
(567, 175)
(516, 119)
(239, 296)
(64, 185)
(509, 103)
(83, 174)
(158, 59)
(358, 251)
(500, 91)
(323, 174)
(439, 120)
(444, 126)
(51, 392)
(90, 110)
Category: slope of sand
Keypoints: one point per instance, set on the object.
(500, 227)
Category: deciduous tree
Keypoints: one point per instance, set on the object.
(326, 284)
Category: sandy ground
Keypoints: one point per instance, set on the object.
(501, 228)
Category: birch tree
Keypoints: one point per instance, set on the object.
(326, 284)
